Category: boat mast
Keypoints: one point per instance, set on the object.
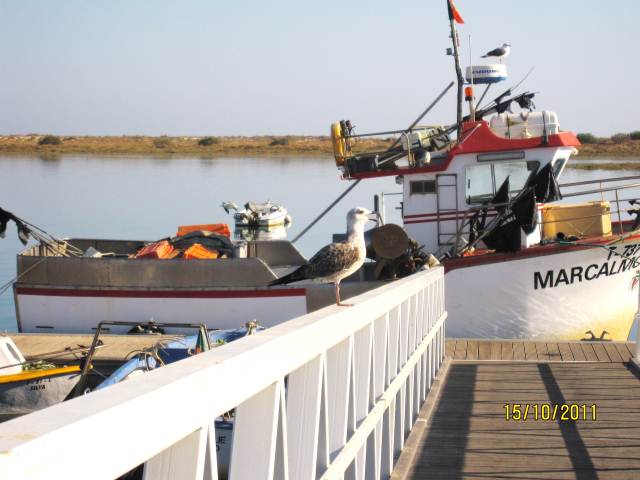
(456, 57)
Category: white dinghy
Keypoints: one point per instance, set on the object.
(267, 214)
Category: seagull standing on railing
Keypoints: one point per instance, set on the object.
(337, 260)
(500, 52)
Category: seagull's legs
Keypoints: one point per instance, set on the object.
(338, 302)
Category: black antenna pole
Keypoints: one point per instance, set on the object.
(456, 56)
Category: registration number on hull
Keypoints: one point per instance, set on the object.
(619, 259)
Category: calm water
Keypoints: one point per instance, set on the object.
(145, 198)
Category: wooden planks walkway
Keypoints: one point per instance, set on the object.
(539, 351)
(464, 434)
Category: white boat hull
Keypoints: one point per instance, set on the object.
(557, 296)
(79, 311)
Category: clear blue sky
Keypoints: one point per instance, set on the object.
(247, 67)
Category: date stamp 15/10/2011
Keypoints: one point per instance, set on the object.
(564, 412)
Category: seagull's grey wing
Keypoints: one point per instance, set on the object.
(497, 52)
(333, 258)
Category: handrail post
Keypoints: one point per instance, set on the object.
(619, 214)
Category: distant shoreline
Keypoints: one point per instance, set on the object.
(183, 145)
(259, 145)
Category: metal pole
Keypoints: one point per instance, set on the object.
(603, 180)
(387, 132)
(472, 106)
(619, 216)
(86, 366)
(376, 207)
(456, 56)
(383, 213)
(326, 210)
(483, 95)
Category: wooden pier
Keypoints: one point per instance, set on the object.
(462, 431)
(539, 351)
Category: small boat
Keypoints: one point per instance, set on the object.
(267, 214)
(173, 350)
(28, 386)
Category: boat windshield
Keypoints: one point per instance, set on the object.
(483, 181)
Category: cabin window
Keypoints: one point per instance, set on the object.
(500, 156)
(518, 173)
(423, 187)
(558, 166)
(482, 181)
(479, 183)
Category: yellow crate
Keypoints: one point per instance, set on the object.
(591, 219)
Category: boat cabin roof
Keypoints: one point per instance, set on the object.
(476, 137)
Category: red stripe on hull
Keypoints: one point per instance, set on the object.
(68, 292)
(539, 251)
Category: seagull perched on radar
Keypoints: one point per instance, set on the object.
(337, 260)
(500, 52)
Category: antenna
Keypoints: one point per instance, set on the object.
(456, 56)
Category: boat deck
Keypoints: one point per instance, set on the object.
(462, 432)
(116, 349)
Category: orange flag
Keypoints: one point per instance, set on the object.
(453, 13)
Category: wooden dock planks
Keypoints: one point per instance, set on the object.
(472, 350)
(467, 437)
(539, 351)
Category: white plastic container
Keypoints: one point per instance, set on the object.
(417, 139)
(525, 124)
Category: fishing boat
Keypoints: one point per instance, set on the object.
(267, 214)
(29, 386)
(484, 194)
(198, 275)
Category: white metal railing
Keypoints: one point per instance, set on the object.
(331, 394)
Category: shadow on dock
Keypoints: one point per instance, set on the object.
(467, 434)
